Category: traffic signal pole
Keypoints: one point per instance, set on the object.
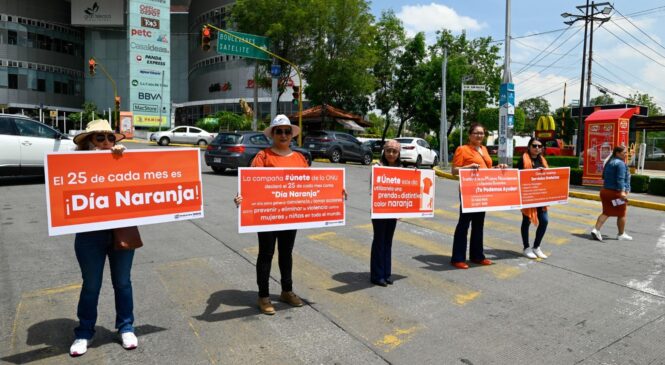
(116, 114)
(279, 58)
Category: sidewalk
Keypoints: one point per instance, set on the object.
(641, 200)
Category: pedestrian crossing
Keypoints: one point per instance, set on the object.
(331, 273)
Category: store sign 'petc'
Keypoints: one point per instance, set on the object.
(148, 32)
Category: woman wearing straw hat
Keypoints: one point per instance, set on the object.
(92, 248)
(278, 155)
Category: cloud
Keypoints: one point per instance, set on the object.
(433, 17)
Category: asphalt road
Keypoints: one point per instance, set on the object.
(195, 290)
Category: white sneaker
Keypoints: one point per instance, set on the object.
(624, 237)
(539, 253)
(528, 252)
(596, 234)
(129, 340)
(79, 347)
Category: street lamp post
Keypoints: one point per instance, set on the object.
(590, 11)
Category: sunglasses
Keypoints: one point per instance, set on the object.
(537, 145)
(285, 131)
(391, 150)
(100, 138)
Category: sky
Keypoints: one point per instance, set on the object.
(628, 50)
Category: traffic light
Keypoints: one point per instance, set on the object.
(92, 65)
(117, 103)
(296, 95)
(205, 39)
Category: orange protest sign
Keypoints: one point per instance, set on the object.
(544, 187)
(489, 189)
(94, 190)
(402, 193)
(290, 198)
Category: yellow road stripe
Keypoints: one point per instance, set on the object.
(499, 270)
(51, 291)
(355, 249)
(393, 340)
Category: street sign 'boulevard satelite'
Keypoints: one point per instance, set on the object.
(232, 46)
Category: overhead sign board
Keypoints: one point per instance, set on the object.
(149, 38)
(98, 12)
(474, 88)
(227, 44)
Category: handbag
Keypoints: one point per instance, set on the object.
(127, 238)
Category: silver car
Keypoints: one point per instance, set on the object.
(182, 134)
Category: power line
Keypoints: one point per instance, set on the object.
(632, 73)
(537, 58)
(555, 61)
(638, 28)
(639, 40)
(631, 46)
(569, 67)
(523, 44)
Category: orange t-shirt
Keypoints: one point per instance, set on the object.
(465, 155)
(268, 158)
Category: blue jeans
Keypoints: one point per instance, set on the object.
(543, 219)
(477, 222)
(380, 262)
(91, 250)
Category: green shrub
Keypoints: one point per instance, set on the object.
(208, 124)
(563, 161)
(657, 186)
(495, 161)
(639, 183)
(575, 176)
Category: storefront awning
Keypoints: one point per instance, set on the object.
(349, 124)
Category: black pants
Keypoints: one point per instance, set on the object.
(380, 263)
(477, 221)
(285, 240)
(543, 219)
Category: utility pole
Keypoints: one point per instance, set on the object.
(443, 132)
(506, 102)
(588, 83)
(590, 11)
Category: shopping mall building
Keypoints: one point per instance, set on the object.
(150, 48)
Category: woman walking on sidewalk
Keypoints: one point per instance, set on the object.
(613, 195)
(533, 159)
(92, 249)
(278, 155)
(384, 229)
(470, 156)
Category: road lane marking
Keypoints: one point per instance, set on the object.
(323, 296)
(498, 270)
(355, 249)
(395, 339)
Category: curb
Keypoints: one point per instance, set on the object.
(575, 194)
(155, 143)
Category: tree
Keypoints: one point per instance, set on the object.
(644, 100)
(288, 26)
(533, 108)
(89, 113)
(389, 41)
(478, 58)
(489, 117)
(410, 80)
(343, 53)
(566, 126)
(603, 99)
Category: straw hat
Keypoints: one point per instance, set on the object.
(97, 126)
(281, 120)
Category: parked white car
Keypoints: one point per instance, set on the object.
(417, 151)
(24, 142)
(182, 134)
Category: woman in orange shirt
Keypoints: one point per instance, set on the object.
(278, 155)
(471, 156)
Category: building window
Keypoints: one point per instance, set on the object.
(12, 37)
(12, 81)
(41, 85)
(56, 87)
